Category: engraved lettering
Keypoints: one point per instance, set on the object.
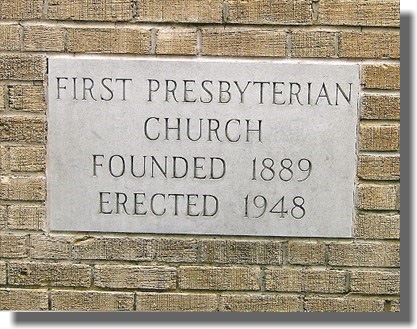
(213, 129)
(154, 212)
(227, 131)
(323, 93)
(121, 199)
(123, 80)
(221, 168)
(191, 204)
(88, 87)
(175, 167)
(198, 166)
(59, 87)
(295, 93)
(241, 92)
(208, 92)
(224, 94)
(132, 165)
(175, 197)
(214, 202)
(276, 92)
(340, 90)
(254, 130)
(152, 89)
(200, 129)
(110, 97)
(112, 165)
(163, 170)
(176, 128)
(170, 90)
(139, 203)
(102, 201)
(146, 129)
(187, 91)
(95, 164)
(261, 89)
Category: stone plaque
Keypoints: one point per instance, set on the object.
(231, 147)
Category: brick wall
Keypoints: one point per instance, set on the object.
(40, 270)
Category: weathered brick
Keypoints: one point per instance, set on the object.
(134, 249)
(49, 274)
(22, 67)
(3, 273)
(375, 283)
(359, 12)
(91, 301)
(335, 304)
(3, 217)
(209, 11)
(49, 247)
(300, 280)
(27, 158)
(241, 252)
(87, 10)
(384, 107)
(243, 42)
(176, 250)
(379, 137)
(9, 37)
(377, 226)
(22, 9)
(260, 303)
(305, 253)
(26, 217)
(269, 12)
(43, 38)
(175, 302)
(23, 300)
(219, 278)
(135, 277)
(109, 40)
(13, 246)
(379, 167)
(22, 188)
(378, 197)
(27, 98)
(2, 98)
(22, 129)
(384, 44)
(395, 305)
(384, 76)
(4, 159)
(364, 254)
(313, 44)
(176, 42)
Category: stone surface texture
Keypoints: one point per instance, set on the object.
(256, 141)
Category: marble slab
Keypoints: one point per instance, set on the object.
(199, 146)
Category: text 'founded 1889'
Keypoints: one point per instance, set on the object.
(201, 147)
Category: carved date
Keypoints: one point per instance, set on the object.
(267, 169)
(259, 206)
